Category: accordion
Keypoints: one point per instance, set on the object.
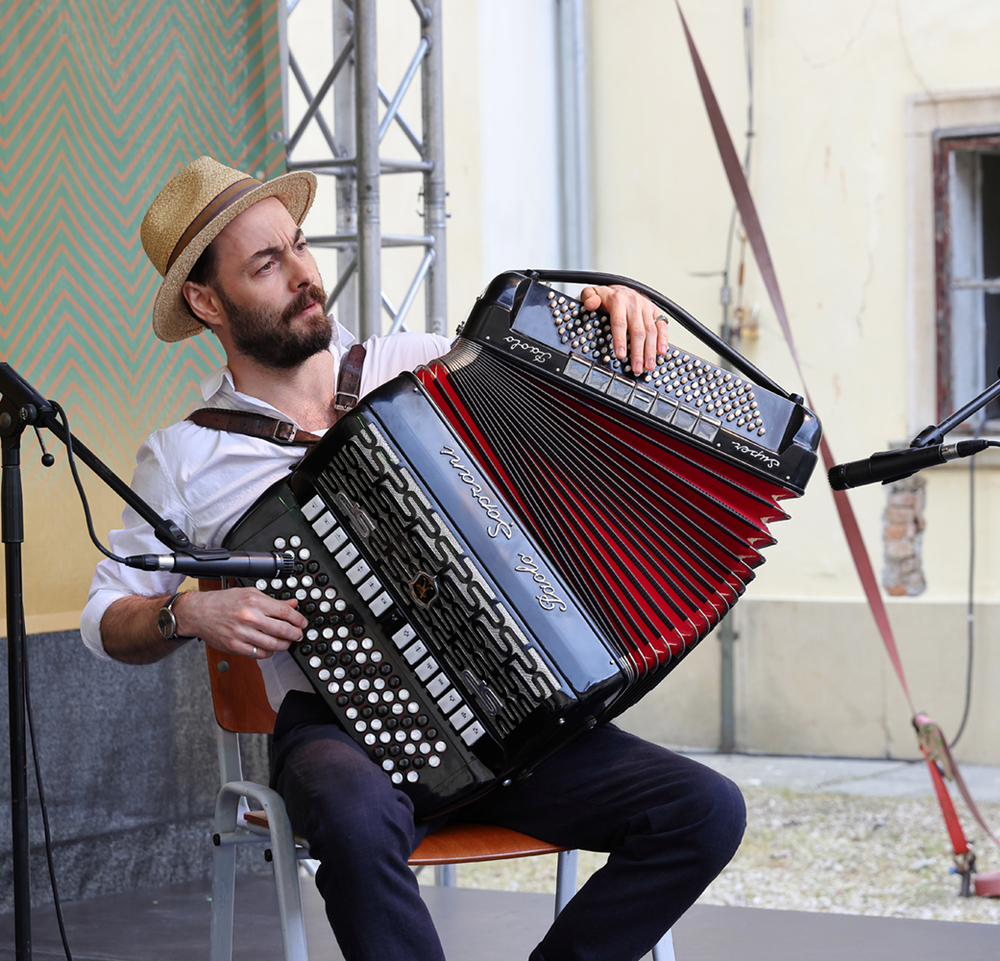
(518, 541)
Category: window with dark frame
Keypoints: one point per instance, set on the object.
(967, 264)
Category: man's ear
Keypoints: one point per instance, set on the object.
(203, 303)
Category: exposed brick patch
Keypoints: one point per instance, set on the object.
(902, 533)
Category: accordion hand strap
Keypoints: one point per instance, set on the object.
(281, 431)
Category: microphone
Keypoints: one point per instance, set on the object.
(216, 564)
(890, 465)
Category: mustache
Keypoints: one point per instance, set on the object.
(313, 294)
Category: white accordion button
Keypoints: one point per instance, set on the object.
(312, 507)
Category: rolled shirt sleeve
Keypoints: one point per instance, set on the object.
(112, 580)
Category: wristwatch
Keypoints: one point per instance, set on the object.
(166, 622)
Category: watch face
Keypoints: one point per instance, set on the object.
(167, 623)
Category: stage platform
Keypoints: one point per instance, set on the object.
(171, 924)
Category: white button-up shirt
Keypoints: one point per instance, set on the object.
(204, 480)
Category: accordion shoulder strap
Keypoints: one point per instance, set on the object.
(281, 431)
(256, 425)
(349, 381)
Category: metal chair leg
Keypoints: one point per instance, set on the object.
(283, 857)
(565, 879)
(664, 949)
(223, 885)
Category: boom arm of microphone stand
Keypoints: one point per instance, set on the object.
(22, 406)
(932, 435)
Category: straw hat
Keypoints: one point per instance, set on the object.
(187, 215)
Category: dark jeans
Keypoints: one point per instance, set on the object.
(669, 824)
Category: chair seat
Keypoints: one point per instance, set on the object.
(464, 843)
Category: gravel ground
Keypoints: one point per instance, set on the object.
(818, 852)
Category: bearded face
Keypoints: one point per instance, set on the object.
(269, 337)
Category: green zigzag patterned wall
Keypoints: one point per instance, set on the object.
(101, 102)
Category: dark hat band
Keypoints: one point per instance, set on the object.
(227, 198)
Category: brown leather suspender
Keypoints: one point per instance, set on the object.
(280, 431)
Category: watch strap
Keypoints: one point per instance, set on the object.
(169, 608)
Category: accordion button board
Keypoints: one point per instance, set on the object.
(682, 389)
(424, 658)
(365, 658)
(362, 664)
(540, 328)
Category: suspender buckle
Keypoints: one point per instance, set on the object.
(283, 433)
(345, 401)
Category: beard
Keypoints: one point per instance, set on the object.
(267, 337)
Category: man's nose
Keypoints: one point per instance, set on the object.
(302, 273)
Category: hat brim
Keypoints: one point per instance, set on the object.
(172, 320)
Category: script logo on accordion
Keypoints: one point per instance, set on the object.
(501, 525)
(548, 600)
(538, 355)
(771, 461)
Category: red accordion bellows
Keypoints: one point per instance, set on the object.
(656, 536)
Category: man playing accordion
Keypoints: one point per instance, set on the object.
(234, 261)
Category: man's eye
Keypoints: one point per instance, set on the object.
(265, 267)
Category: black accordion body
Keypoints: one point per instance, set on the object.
(511, 545)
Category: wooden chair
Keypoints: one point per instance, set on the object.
(241, 706)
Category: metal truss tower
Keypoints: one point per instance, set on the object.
(350, 150)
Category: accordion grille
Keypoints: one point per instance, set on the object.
(476, 633)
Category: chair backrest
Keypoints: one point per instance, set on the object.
(238, 693)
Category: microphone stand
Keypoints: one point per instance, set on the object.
(21, 406)
(897, 464)
(931, 436)
(12, 527)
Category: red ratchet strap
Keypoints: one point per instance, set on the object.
(933, 743)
